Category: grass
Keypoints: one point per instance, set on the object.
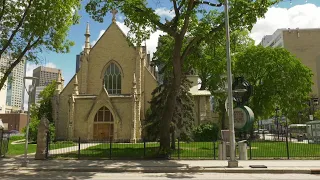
(265, 149)
(19, 149)
(196, 150)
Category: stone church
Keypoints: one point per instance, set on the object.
(108, 96)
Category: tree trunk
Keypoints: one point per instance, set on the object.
(173, 141)
(222, 115)
(171, 99)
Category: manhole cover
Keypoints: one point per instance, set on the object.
(258, 166)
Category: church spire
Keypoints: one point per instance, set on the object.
(75, 85)
(58, 83)
(87, 41)
(114, 12)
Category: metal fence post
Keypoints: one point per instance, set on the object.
(214, 150)
(110, 149)
(250, 145)
(79, 147)
(1, 140)
(178, 148)
(48, 144)
(287, 143)
(144, 148)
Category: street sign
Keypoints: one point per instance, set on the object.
(243, 117)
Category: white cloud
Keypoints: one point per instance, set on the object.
(29, 72)
(152, 42)
(164, 12)
(299, 16)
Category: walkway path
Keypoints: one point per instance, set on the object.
(66, 150)
(72, 148)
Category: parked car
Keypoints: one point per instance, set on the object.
(14, 132)
(261, 131)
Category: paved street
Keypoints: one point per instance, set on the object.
(6, 175)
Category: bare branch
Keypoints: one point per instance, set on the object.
(17, 28)
(176, 10)
(180, 5)
(198, 39)
(184, 28)
(18, 60)
(208, 3)
(2, 9)
(160, 25)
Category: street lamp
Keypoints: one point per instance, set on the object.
(312, 102)
(277, 121)
(232, 162)
(30, 89)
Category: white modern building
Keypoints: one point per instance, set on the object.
(12, 93)
(15, 84)
(38, 90)
(45, 76)
(3, 97)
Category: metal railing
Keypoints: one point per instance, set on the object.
(124, 149)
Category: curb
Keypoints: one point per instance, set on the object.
(172, 170)
(315, 171)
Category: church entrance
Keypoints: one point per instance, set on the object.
(103, 124)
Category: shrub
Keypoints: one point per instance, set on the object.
(206, 132)
(33, 130)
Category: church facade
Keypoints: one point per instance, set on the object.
(108, 97)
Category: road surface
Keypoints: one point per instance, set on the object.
(30, 175)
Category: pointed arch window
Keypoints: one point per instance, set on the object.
(112, 79)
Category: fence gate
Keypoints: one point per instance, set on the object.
(4, 142)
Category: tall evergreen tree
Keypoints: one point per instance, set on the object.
(182, 121)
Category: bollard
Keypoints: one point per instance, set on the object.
(243, 155)
(222, 151)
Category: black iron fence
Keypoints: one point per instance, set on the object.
(283, 148)
(4, 143)
(125, 149)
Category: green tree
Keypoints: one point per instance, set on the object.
(183, 118)
(278, 79)
(209, 59)
(200, 19)
(43, 109)
(28, 27)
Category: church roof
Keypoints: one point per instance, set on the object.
(114, 23)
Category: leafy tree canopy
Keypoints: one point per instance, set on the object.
(28, 27)
(278, 79)
(199, 19)
(43, 109)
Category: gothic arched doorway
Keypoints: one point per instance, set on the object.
(103, 124)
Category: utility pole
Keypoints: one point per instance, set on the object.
(232, 162)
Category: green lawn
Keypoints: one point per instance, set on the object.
(18, 149)
(270, 149)
(196, 150)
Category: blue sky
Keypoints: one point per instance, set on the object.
(66, 62)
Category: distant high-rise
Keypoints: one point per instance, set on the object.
(46, 75)
(304, 44)
(15, 83)
(3, 96)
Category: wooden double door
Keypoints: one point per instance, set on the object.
(103, 131)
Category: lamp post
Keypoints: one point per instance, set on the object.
(277, 121)
(232, 162)
(29, 90)
(313, 102)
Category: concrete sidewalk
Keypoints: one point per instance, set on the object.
(165, 166)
